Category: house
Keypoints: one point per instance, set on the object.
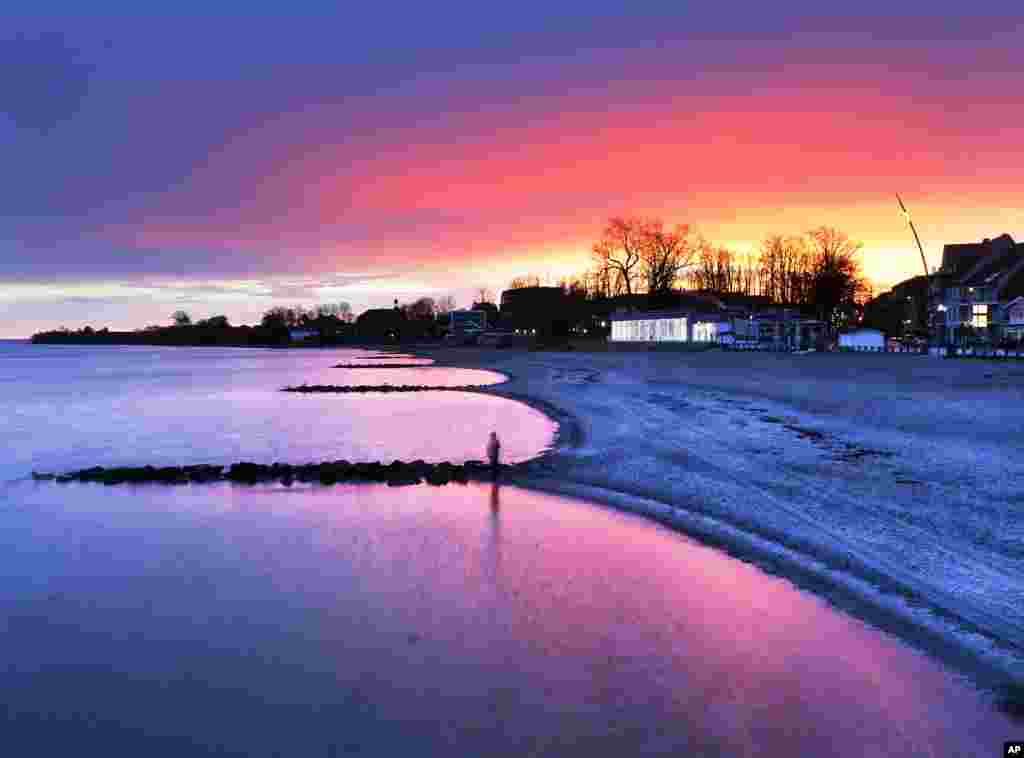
(780, 328)
(709, 320)
(465, 327)
(541, 311)
(973, 288)
(381, 324)
(669, 326)
(902, 312)
(1014, 324)
(862, 339)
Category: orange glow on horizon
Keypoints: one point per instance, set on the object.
(526, 188)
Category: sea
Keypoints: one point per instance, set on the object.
(361, 619)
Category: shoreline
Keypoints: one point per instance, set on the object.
(963, 635)
(829, 471)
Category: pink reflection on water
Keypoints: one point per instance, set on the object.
(474, 620)
(426, 377)
(386, 358)
(79, 408)
(630, 616)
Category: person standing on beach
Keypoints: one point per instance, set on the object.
(494, 454)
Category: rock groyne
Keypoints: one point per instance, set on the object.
(395, 473)
(347, 388)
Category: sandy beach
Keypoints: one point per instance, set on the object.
(887, 484)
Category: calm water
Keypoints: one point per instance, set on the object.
(368, 620)
(430, 621)
(426, 377)
(383, 358)
(68, 407)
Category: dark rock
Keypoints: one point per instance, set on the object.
(401, 481)
(348, 388)
(438, 476)
(397, 473)
(201, 474)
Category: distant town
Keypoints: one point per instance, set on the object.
(654, 286)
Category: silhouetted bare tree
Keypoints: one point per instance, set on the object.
(620, 252)
(665, 254)
(717, 269)
(341, 311)
(522, 282)
(838, 284)
(181, 318)
(422, 308)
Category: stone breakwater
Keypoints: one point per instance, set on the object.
(342, 388)
(396, 473)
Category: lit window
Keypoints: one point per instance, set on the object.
(650, 330)
(979, 318)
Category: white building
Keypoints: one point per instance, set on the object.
(667, 326)
(650, 327)
(711, 330)
(1015, 318)
(863, 339)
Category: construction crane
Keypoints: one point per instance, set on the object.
(910, 222)
(929, 316)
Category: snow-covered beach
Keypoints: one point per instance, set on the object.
(888, 484)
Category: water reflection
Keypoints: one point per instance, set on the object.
(69, 407)
(388, 358)
(463, 620)
(427, 377)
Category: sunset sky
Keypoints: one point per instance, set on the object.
(230, 163)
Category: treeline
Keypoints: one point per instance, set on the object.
(272, 331)
(333, 323)
(321, 316)
(818, 271)
(197, 334)
(316, 316)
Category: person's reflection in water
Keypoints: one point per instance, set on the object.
(495, 499)
(493, 545)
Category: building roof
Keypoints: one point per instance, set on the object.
(998, 255)
(997, 263)
(908, 286)
(976, 259)
(525, 294)
(673, 313)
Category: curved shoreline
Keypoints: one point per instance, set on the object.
(976, 644)
(609, 449)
